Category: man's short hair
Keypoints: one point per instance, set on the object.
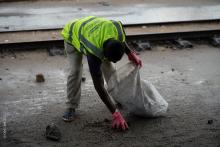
(113, 50)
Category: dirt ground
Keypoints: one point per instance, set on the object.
(188, 79)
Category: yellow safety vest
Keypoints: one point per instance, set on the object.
(88, 34)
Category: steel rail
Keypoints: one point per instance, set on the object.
(165, 31)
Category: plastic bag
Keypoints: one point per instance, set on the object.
(139, 97)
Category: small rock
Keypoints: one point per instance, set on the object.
(83, 79)
(181, 44)
(140, 45)
(173, 69)
(210, 121)
(104, 3)
(53, 132)
(215, 41)
(0, 79)
(144, 45)
(162, 72)
(55, 51)
(40, 78)
(106, 120)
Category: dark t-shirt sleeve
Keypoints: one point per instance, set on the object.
(94, 65)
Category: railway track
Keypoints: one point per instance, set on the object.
(159, 31)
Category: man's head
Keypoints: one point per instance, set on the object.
(113, 50)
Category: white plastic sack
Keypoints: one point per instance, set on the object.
(137, 96)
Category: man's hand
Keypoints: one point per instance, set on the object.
(118, 121)
(134, 58)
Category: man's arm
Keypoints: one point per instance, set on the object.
(132, 55)
(94, 66)
(127, 48)
(102, 92)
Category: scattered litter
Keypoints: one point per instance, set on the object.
(210, 121)
(104, 3)
(8, 52)
(55, 51)
(145, 45)
(53, 132)
(40, 78)
(182, 44)
(215, 41)
(141, 45)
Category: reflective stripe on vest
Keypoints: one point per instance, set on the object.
(94, 49)
(117, 25)
(70, 39)
(81, 38)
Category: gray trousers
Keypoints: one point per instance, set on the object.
(75, 75)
